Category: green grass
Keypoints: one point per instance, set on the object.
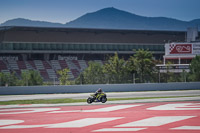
(42, 101)
(140, 98)
(68, 100)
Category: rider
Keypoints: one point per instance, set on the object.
(99, 91)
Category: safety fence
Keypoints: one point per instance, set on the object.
(19, 90)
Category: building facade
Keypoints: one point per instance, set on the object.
(50, 49)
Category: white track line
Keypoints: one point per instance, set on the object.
(71, 124)
(106, 109)
(118, 129)
(177, 106)
(26, 110)
(187, 128)
(155, 121)
(9, 122)
(83, 122)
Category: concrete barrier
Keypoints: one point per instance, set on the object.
(16, 90)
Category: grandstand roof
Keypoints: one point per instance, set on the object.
(83, 35)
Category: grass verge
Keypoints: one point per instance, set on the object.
(68, 100)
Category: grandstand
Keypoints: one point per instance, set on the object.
(50, 49)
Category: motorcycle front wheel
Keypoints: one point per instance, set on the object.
(103, 99)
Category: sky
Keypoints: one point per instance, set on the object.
(62, 11)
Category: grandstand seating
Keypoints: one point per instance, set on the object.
(13, 64)
(5, 71)
(48, 69)
(99, 61)
(76, 63)
(46, 65)
(44, 74)
(3, 65)
(51, 74)
(71, 75)
(32, 64)
(28, 66)
(18, 73)
(38, 64)
(71, 65)
(83, 64)
(63, 64)
(87, 62)
(55, 64)
(48, 50)
(21, 65)
(75, 72)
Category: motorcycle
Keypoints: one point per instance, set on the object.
(99, 98)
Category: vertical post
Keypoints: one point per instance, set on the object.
(9, 81)
(133, 78)
(26, 80)
(54, 81)
(164, 61)
(107, 77)
(185, 76)
(81, 78)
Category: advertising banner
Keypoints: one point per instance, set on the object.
(182, 48)
(196, 49)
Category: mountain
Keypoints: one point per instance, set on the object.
(27, 22)
(112, 18)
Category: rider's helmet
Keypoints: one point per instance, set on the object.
(99, 90)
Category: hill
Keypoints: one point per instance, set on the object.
(27, 22)
(112, 18)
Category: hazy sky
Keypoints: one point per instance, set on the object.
(63, 11)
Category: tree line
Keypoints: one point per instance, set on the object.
(28, 78)
(139, 68)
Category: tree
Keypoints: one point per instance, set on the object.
(169, 76)
(184, 75)
(30, 78)
(144, 64)
(116, 69)
(8, 79)
(195, 69)
(93, 74)
(1, 79)
(25, 77)
(63, 76)
(130, 65)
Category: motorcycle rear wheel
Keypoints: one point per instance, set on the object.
(89, 100)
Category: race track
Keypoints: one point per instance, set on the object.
(110, 95)
(160, 117)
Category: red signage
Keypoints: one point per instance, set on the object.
(180, 48)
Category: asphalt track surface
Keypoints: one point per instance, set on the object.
(156, 117)
(109, 95)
